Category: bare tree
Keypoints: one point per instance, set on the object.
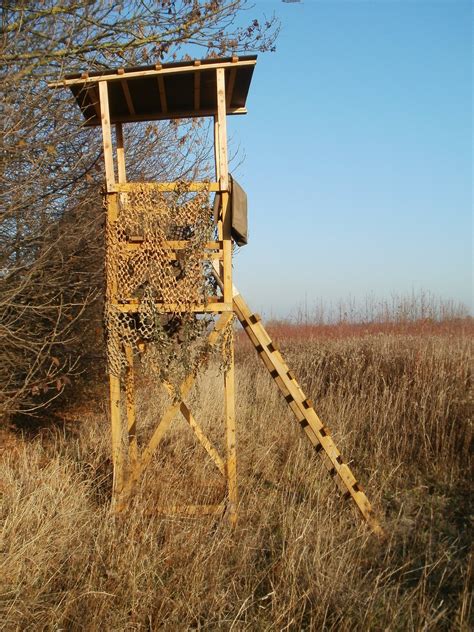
(51, 167)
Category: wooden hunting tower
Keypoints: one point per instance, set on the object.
(201, 88)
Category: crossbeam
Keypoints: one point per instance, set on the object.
(143, 461)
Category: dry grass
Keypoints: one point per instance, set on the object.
(300, 559)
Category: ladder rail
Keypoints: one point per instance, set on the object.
(303, 409)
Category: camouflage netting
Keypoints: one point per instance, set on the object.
(176, 342)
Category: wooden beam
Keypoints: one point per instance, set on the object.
(122, 173)
(128, 96)
(129, 187)
(175, 245)
(197, 91)
(93, 95)
(230, 86)
(226, 263)
(106, 136)
(222, 129)
(215, 305)
(131, 413)
(117, 447)
(231, 461)
(162, 90)
(198, 431)
(174, 256)
(216, 150)
(112, 216)
(165, 117)
(149, 73)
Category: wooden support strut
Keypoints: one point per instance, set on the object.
(126, 488)
(303, 409)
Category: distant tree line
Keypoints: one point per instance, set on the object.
(51, 216)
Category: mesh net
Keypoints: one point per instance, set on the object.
(142, 264)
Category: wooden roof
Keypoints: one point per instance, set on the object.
(163, 91)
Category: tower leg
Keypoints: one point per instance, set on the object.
(131, 416)
(117, 451)
(231, 461)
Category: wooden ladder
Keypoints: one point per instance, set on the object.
(303, 409)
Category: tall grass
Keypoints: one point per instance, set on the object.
(400, 410)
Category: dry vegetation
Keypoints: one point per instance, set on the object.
(399, 407)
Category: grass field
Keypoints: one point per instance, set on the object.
(399, 405)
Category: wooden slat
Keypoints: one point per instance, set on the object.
(172, 256)
(181, 244)
(162, 90)
(230, 86)
(149, 73)
(166, 308)
(130, 404)
(128, 96)
(158, 116)
(192, 187)
(197, 91)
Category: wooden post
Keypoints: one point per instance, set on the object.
(225, 234)
(106, 135)
(131, 413)
(114, 380)
(222, 129)
(216, 149)
(122, 174)
(223, 175)
(117, 448)
(231, 462)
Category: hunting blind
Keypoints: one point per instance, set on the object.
(169, 290)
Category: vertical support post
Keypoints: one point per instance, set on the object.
(216, 149)
(114, 380)
(122, 173)
(117, 450)
(130, 373)
(223, 173)
(106, 136)
(218, 178)
(231, 461)
(225, 234)
(222, 130)
(131, 414)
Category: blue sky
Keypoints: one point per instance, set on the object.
(358, 155)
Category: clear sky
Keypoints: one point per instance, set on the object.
(358, 154)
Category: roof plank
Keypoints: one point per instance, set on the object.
(163, 91)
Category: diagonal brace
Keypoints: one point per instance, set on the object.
(166, 420)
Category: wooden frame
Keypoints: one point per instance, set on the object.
(129, 462)
(120, 74)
